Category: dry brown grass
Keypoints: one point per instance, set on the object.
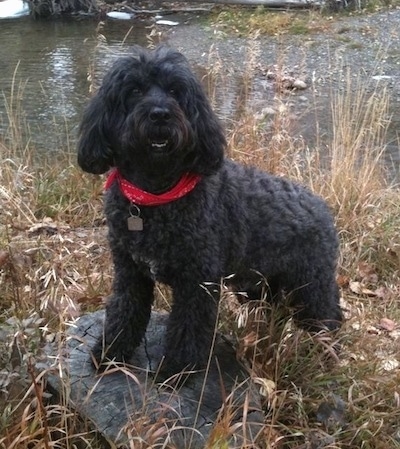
(54, 264)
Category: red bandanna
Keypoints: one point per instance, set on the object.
(137, 196)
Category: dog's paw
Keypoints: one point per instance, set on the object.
(174, 377)
(177, 374)
(98, 358)
(103, 356)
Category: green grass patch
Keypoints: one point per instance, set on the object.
(245, 22)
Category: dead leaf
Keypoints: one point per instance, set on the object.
(355, 287)
(4, 255)
(343, 280)
(250, 339)
(382, 292)
(387, 324)
(359, 289)
(267, 386)
(367, 273)
(390, 364)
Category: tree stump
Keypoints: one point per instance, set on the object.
(125, 402)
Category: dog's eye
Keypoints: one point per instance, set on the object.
(136, 90)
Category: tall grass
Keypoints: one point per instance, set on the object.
(53, 257)
(360, 124)
(54, 264)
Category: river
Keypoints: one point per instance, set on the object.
(44, 72)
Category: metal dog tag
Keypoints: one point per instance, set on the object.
(135, 222)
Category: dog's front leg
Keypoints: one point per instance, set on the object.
(127, 312)
(191, 326)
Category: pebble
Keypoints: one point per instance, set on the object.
(299, 84)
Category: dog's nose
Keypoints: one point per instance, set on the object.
(159, 114)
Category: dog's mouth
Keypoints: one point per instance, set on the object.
(159, 146)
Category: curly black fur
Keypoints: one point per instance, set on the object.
(151, 119)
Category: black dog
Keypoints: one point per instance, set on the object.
(180, 213)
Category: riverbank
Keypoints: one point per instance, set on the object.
(362, 47)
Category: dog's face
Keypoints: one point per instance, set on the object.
(150, 114)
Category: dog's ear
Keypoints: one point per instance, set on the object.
(210, 138)
(94, 151)
(100, 129)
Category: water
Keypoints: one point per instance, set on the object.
(44, 72)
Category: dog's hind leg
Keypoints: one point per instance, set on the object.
(127, 312)
(253, 286)
(317, 302)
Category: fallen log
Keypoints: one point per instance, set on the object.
(126, 403)
(49, 8)
(286, 4)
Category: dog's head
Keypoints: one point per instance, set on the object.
(150, 111)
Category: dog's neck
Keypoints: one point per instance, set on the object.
(141, 197)
(156, 183)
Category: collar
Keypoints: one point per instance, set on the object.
(140, 197)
